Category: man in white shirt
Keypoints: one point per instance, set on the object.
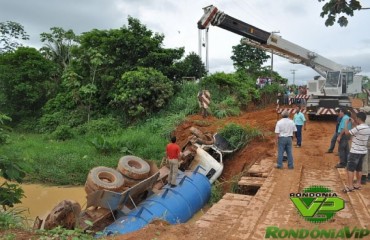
(284, 134)
(360, 135)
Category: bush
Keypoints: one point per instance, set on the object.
(107, 146)
(49, 122)
(12, 218)
(226, 108)
(104, 125)
(216, 192)
(237, 85)
(3, 128)
(63, 133)
(142, 92)
(238, 136)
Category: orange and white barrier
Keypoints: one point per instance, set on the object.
(204, 99)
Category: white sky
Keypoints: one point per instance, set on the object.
(298, 21)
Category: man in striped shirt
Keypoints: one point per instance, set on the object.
(360, 135)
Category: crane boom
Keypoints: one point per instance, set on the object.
(328, 93)
(269, 42)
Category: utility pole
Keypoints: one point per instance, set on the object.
(272, 56)
(293, 72)
(207, 59)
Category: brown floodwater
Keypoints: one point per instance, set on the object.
(41, 199)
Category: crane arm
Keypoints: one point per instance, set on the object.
(269, 42)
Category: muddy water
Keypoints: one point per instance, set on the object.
(40, 199)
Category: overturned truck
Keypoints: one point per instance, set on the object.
(127, 198)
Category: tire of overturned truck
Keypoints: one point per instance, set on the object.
(129, 182)
(100, 178)
(133, 167)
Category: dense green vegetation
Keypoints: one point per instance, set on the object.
(85, 100)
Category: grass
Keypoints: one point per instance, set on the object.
(68, 162)
(13, 218)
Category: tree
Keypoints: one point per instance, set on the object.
(25, 78)
(142, 92)
(10, 193)
(248, 58)
(58, 45)
(10, 33)
(122, 50)
(334, 8)
(191, 66)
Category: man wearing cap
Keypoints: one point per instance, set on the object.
(335, 135)
(284, 130)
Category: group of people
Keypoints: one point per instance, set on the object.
(354, 158)
(262, 81)
(290, 93)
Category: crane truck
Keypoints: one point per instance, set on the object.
(326, 93)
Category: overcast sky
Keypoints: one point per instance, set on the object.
(298, 21)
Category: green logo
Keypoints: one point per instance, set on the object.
(317, 204)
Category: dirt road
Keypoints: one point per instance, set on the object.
(271, 206)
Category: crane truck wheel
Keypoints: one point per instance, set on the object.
(311, 117)
(100, 178)
(133, 167)
(196, 132)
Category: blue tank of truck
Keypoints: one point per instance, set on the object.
(174, 205)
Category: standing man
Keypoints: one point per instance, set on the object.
(284, 134)
(358, 150)
(299, 121)
(343, 139)
(366, 162)
(335, 135)
(173, 155)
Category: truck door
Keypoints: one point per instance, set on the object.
(344, 84)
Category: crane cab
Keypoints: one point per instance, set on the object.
(337, 83)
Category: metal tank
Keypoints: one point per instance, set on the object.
(174, 205)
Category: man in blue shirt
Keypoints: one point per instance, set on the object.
(335, 135)
(343, 139)
(299, 121)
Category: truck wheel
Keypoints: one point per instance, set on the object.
(129, 182)
(196, 132)
(133, 167)
(311, 117)
(104, 178)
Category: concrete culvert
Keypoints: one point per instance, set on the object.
(104, 178)
(133, 167)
